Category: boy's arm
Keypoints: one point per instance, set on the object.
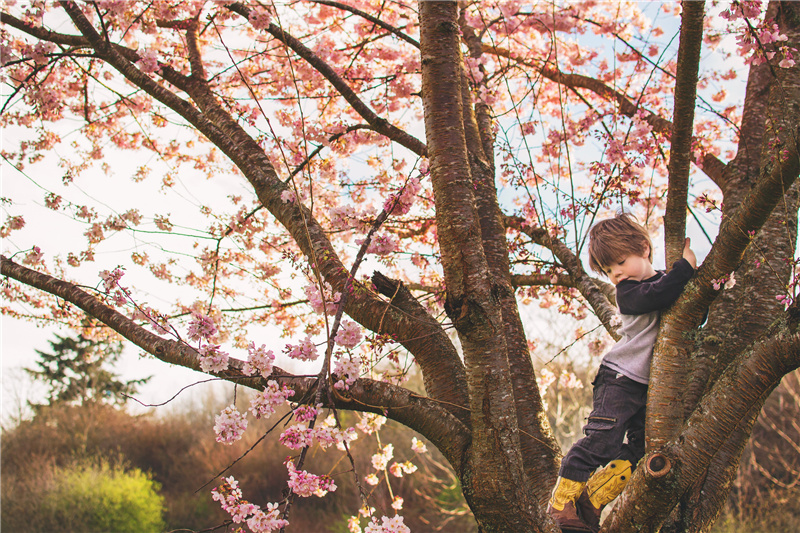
(640, 297)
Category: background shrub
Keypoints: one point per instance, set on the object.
(83, 497)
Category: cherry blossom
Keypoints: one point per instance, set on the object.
(264, 403)
(230, 497)
(229, 425)
(111, 279)
(371, 422)
(387, 525)
(258, 360)
(305, 351)
(349, 334)
(212, 359)
(201, 327)
(418, 446)
(381, 459)
(304, 484)
(347, 370)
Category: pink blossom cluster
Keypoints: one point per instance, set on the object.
(742, 8)
(258, 360)
(349, 334)
(297, 436)
(41, 50)
(598, 346)
(112, 286)
(326, 434)
(305, 351)
(212, 359)
(400, 203)
(201, 327)
(53, 201)
(306, 413)
(725, 282)
(230, 497)
(304, 484)
(752, 40)
(382, 244)
(260, 18)
(111, 279)
(371, 422)
(381, 459)
(12, 224)
(33, 257)
(343, 217)
(397, 503)
(162, 223)
(229, 425)
(388, 525)
(264, 403)
(353, 525)
(568, 380)
(348, 371)
(709, 203)
(148, 62)
(406, 467)
(316, 301)
(546, 378)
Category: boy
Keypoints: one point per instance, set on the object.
(620, 249)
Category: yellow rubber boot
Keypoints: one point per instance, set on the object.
(562, 505)
(604, 485)
(608, 482)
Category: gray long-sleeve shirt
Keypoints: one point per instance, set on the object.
(640, 304)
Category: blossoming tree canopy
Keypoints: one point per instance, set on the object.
(215, 169)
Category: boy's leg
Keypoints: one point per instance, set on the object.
(607, 483)
(601, 489)
(563, 507)
(617, 402)
(633, 450)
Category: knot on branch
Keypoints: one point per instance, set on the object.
(386, 286)
(469, 318)
(447, 26)
(658, 465)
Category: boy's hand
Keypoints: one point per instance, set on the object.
(688, 254)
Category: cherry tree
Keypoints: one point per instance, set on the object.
(253, 155)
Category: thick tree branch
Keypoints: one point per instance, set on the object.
(429, 417)
(537, 439)
(678, 463)
(691, 41)
(593, 292)
(473, 301)
(379, 124)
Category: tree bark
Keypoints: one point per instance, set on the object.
(494, 480)
(680, 155)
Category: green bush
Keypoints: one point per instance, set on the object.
(90, 498)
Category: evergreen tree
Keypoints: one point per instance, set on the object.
(77, 372)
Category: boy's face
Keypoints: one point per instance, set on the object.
(632, 266)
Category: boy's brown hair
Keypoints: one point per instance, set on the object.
(613, 238)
